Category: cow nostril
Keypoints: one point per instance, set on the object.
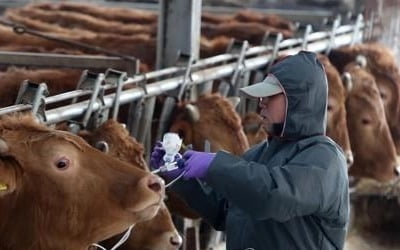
(176, 240)
(155, 183)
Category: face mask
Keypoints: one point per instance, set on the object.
(275, 129)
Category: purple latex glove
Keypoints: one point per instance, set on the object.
(197, 163)
(156, 161)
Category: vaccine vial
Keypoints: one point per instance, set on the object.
(171, 143)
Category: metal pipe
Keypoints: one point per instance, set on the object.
(67, 96)
(162, 86)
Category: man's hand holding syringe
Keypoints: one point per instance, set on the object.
(167, 152)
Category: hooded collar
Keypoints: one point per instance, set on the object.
(304, 82)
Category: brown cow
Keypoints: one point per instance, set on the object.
(213, 118)
(336, 125)
(371, 142)
(157, 233)
(141, 46)
(58, 81)
(57, 192)
(248, 16)
(382, 64)
(68, 21)
(124, 15)
(252, 32)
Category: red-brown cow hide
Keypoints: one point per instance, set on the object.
(158, 233)
(371, 142)
(62, 193)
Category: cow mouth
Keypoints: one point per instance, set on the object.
(150, 210)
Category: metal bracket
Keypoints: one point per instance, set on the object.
(115, 79)
(92, 82)
(367, 34)
(136, 110)
(172, 98)
(275, 51)
(33, 94)
(266, 37)
(239, 48)
(307, 32)
(347, 18)
(187, 62)
(335, 25)
(356, 32)
(102, 114)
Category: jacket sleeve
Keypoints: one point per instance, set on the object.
(309, 183)
(202, 198)
(210, 205)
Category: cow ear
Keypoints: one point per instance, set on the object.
(4, 149)
(102, 146)
(8, 176)
(362, 61)
(185, 131)
(193, 112)
(347, 81)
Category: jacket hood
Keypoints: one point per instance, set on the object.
(305, 85)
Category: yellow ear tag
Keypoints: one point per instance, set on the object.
(3, 187)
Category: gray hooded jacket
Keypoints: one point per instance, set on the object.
(290, 192)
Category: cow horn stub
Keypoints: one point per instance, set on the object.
(347, 81)
(193, 112)
(3, 147)
(102, 146)
(362, 61)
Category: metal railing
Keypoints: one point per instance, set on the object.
(203, 71)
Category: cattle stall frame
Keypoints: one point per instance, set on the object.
(256, 58)
(201, 72)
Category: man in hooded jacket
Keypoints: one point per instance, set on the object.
(289, 192)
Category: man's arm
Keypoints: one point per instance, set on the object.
(200, 197)
(308, 184)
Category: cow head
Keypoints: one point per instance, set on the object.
(388, 83)
(370, 138)
(382, 64)
(158, 233)
(337, 126)
(211, 118)
(61, 193)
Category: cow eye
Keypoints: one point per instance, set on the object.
(365, 121)
(62, 163)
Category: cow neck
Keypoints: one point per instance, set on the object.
(17, 231)
(207, 145)
(120, 242)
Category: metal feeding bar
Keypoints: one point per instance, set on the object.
(202, 71)
(33, 94)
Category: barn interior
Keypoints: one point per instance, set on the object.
(160, 66)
